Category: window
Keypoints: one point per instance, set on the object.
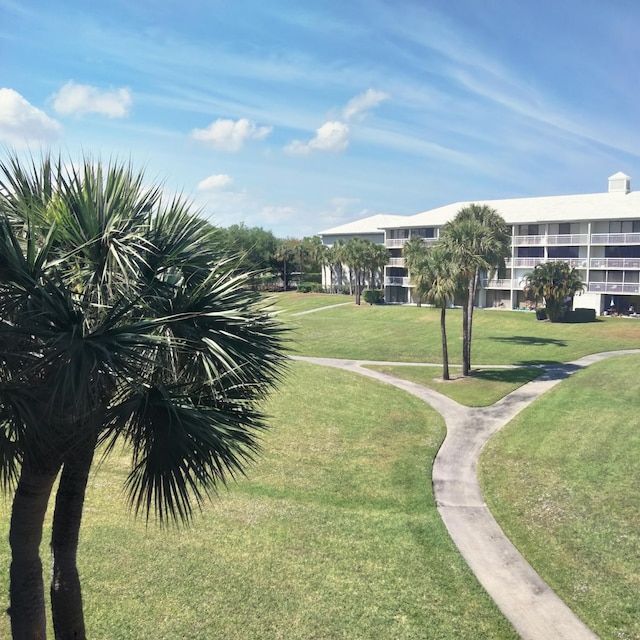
(564, 228)
(532, 230)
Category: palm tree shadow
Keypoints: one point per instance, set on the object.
(534, 341)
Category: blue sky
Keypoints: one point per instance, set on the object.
(297, 116)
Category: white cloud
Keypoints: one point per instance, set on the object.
(214, 182)
(331, 136)
(22, 124)
(357, 107)
(79, 99)
(228, 135)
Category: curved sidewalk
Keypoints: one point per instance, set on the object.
(523, 597)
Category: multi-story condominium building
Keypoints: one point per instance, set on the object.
(597, 234)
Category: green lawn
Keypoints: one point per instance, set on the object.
(412, 334)
(291, 302)
(563, 480)
(333, 534)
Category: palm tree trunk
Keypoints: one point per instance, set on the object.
(466, 365)
(445, 349)
(469, 328)
(28, 617)
(66, 595)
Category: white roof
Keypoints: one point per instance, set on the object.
(372, 224)
(595, 206)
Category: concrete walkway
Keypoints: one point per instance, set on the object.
(520, 593)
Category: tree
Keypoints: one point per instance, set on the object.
(436, 280)
(356, 253)
(377, 257)
(118, 322)
(285, 255)
(254, 247)
(478, 241)
(335, 260)
(555, 284)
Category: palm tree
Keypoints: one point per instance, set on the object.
(415, 255)
(120, 320)
(336, 260)
(377, 258)
(285, 255)
(436, 280)
(355, 255)
(478, 241)
(553, 283)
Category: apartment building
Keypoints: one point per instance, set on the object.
(598, 234)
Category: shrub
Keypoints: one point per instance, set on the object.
(579, 315)
(373, 296)
(541, 313)
(313, 277)
(310, 287)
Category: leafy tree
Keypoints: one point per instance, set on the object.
(284, 255)
(254, 247)
(335, 260)
(555, 284)
(415, 253)
(118, 322)
(377, 257)
(477, 240)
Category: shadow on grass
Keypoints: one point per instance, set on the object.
(510, 376)
(534, 341)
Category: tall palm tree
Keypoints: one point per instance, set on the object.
(478, 241)
(355, 254)
(553, 283)
(285, 255)
(415, 255)
(120, 320)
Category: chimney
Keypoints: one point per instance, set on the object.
(619, 183)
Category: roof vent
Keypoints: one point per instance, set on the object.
(619, 183)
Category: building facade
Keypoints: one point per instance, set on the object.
(597, 234)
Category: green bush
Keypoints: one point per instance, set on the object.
(310, 287)
(579, 315)
(373, 296)
(313, 277)
(541, 314)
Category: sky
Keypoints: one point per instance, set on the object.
(297, 115)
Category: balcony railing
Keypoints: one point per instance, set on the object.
(576, 263)
(398, 243)
(395, 262)
(397, 281)
(614, 263)
(614, 287)
(524, 262)
(568, 239)
(528, 240)
(499, 283)
(615, 238)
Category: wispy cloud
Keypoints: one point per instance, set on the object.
(230, 135)
(22, 124)
(78, 99)
(358, 107)
(215, 182)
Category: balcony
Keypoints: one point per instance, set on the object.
(499, 283)
(397, 281)
(614, 288)
(576, 263)
(614, 263)
(615, 238)
(398, 243)
(568, 240)
(528, 241)
(395, 262)
(524, 262)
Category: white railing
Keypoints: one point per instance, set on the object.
(525, 262)
(614, 287)
(615, 238)
(568, 239)
(395, 262)
(397, 281)
(528, 240)
(499, 283)
(614, 263)
(576, 263)
(395, 243)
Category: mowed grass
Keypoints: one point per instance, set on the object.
(563, 480)
(292, 302)
(482, 389)
(333, 534)
(412, 334)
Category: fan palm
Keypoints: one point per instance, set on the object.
(478, 241)
(119, 321)
(553, 283)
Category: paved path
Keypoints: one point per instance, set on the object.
(523, 597)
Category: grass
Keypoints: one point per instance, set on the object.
(482, 389)
(412, 334)
(333, 534)
(563, 481)
(291, 302)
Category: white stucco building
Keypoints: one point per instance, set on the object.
(598, 234)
